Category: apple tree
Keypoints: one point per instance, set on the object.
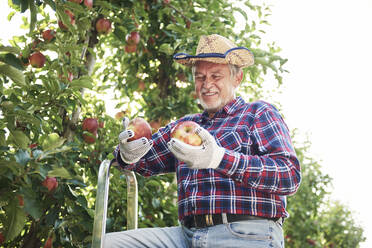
(78, 60)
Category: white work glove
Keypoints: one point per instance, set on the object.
(207, 155)
(132, 151)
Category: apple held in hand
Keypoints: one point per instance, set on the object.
(140, 127)
(185, 132)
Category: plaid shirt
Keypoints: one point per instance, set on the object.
(259, 167)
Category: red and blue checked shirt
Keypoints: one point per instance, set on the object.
(259, 167)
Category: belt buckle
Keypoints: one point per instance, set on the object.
(209, 220)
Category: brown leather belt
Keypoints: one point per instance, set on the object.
(206, 220)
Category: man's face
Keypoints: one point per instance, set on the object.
(214, 86)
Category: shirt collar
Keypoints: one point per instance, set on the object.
(229, 108)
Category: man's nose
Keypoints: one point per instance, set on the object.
(207, 83)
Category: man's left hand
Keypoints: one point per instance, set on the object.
(207, 155)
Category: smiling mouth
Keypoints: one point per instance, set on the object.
(209, 93)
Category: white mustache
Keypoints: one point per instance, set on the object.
(204, 91)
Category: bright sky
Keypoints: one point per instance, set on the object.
(327, 92)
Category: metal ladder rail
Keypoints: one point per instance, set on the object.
(100, 216)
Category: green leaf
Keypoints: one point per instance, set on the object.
(64, 17)
(82, 82)
(60, 172)
(22, 157)
(10, 49)
(77, 8)
(32, 206)
(52, 141)
(20, 139)
(166, 48)
(13, 73)
(12, 60)
(15, 220)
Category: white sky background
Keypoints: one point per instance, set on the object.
(327, 92)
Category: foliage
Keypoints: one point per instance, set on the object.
(315, 220)
(42, 109)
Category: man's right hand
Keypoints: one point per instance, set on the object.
(132, 151)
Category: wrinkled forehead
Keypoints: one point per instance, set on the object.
(206, 66)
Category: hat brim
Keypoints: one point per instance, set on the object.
(239, 56)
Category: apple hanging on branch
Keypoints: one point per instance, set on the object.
(37, 59)
(90, 124)
(49, 35)
(51, 183)
(140, 127)
(103, 26)
(185, 132)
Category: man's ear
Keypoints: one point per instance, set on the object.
(238, 78)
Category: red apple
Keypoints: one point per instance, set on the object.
(49, 243)
(72, 20)
(2, 238)
(20, 200)
(49, 35)
(51, 183)
(166, 2)
(133, 38)
(88, 3)
(130, 48)
(120, 115)
(90, 137)
(185, 132)
(140, 127)
(141, 85)
(90, 125)
(103, 26)
(37, 60)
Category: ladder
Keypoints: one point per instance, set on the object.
(100, 215)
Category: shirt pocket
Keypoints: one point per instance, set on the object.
(237, 140)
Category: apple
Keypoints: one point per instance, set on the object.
(20, 200)
(49, 243)
(90, 137)
(88, 3)
(51, 183)
(141, 85)
(49, 35)
(133, 38)
(37, 60)
(140, 127)
(103, 26)
(90, 125)
(119, 115)
(72, 20)
(185, 132)
(166, 2)
(2, 238)
(130, 48)
(35, 44)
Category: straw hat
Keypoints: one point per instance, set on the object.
(217, 49)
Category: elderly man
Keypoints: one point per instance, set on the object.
(232, 188)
